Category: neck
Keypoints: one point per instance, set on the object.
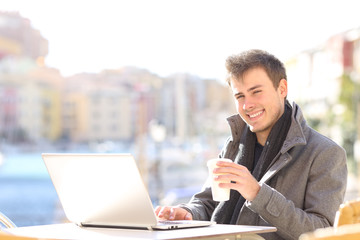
(261, 138)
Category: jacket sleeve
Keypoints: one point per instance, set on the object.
(201, 205)
(325, 190)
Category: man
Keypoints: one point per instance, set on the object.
(284, 173)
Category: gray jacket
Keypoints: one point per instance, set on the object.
(300, 192)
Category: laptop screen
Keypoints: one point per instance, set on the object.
(100, 189)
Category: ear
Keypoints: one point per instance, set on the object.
(283, 90)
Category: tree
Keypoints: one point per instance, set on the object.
(350, 98)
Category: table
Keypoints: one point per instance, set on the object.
(72, 231)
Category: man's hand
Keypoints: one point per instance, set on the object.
(172, 213)
(240, 177)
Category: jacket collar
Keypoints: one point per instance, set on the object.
(295, 135)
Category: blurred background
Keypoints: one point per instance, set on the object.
(147, 78)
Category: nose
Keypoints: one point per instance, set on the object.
(248, 105)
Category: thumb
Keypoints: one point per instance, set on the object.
(188, 216)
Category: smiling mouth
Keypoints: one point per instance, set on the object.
(255, 114)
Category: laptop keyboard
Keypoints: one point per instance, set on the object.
(168, 222)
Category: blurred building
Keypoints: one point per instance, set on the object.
(19, 38)
(38, 104)
(317, 81)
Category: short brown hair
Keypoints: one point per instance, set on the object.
(238, 64)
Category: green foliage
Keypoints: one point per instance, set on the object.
(349, 97)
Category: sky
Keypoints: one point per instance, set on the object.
(171, 36)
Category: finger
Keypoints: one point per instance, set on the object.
(230, 164)
(237, 170)
(223, 163)
(232, 178)
(188, 216)
(157, 210)
(172, 214)
(164, 212)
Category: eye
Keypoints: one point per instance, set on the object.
(239, 96)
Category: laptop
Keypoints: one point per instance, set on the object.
(105, 190)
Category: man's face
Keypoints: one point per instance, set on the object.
(259, 104)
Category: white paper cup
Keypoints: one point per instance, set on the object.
(218, 194)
